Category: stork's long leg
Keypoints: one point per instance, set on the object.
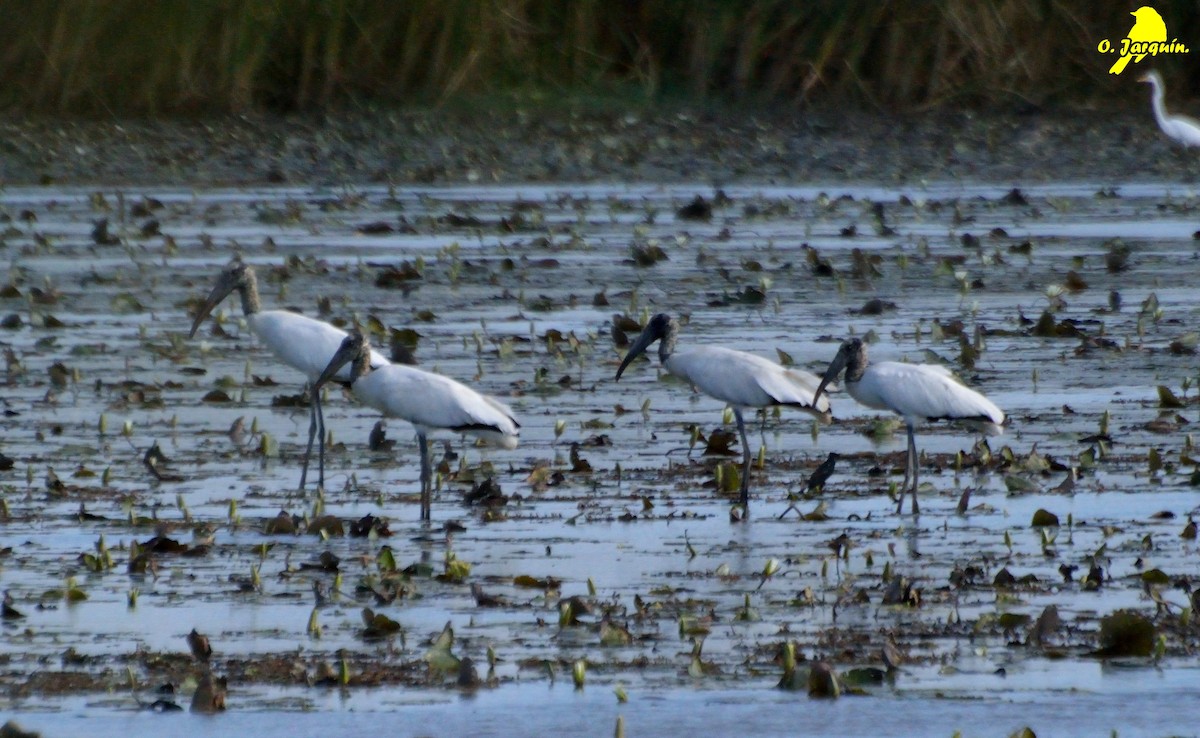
(741, 424)
(912, 461)
(426, 477)
(321, 442)
(313, 402)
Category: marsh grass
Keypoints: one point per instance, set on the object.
(172, 56)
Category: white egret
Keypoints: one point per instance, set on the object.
(1179, 128)
(735, 377)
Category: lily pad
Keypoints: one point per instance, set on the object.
(1044, 518)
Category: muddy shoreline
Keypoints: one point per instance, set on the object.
(673, 144)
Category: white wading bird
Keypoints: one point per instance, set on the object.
(915, 392)
(742, 380)
(1180, 128)
(429, 401)
(299, 342)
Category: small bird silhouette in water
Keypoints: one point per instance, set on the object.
(821, 475)
(1149, 26)
(816, 480)
(8, 611)
(199, 645)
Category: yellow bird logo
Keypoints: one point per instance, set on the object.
(1148, 27)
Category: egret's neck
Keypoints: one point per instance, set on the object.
(1157, 100)
(666, 344)
(249, 291)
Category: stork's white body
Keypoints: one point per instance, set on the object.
(735, 377)
(915, 392)
(299, 342)
(920, 392)
(429, 401)
(303, 343)
(745, 380)
(433, 402)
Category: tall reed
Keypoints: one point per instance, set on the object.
(170, 56)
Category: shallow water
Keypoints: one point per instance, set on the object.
(629, 526)
(1164, 708)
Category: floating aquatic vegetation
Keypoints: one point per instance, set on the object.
(648, 254)
(378, 626)
(1167, 398)
(1043, 517)
(1126, 633)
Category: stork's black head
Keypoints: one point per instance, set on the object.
(852, 356)
(355, 348)
(233, 277)
(658, 327)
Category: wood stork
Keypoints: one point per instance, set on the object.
(1179, 128)
(299, 342)
(735, 377)
(428, 401)
(915, 392)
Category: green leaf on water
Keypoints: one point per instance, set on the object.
(1011, 621)
(746, 613)
(1154, 460)
(613, 634)
(1019, 485)
(438, 656)
(1167, 398)
(456, 570)
(378, 625)
(386, 559)
(126, 303)
(1087, 459)
(1155, 576)
(729, 478)
(863, 677)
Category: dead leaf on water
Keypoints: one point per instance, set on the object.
(378, 625)
(823, 681)
(328, 525)
(818, 514)
(1189, 530)
(614, 634)
(718, 443)
(1044, 518)
(280, 525)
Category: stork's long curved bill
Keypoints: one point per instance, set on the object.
(835, 368)
(346, 353)
(644, 339)
(219, 292)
